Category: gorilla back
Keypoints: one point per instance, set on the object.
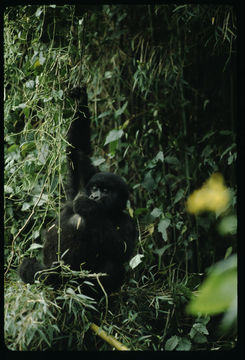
(95, 232)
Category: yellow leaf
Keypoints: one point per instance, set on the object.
(36, 64)
(131, 212)
(125, 124)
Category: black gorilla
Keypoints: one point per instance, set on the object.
(94, 230)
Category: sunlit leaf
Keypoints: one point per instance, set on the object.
(135, 261)
(35, 246)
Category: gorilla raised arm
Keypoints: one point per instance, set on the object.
(94, 230)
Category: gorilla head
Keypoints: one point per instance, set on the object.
(108, 189)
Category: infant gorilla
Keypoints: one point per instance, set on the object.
(94, 229)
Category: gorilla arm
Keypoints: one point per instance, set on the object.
(80, 167)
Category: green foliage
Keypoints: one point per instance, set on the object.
(218, 293)
(38, 318)
(161, 83)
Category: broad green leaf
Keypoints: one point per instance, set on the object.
(200, 328)
(218, 291)
(25, 206)
(113, 135)
(228, 225)
(156, 212)
(184, 344)
(159, 156)
(162, 227)
(171, 343)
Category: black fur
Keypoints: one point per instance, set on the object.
(96, 233)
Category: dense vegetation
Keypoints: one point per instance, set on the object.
(161, 83)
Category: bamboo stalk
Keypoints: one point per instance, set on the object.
(108, 338)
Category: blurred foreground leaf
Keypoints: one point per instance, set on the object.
(212, 196)
(219, 291)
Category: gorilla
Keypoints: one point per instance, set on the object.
(94, 231)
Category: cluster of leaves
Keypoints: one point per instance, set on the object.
(159, 80)
(39, 318)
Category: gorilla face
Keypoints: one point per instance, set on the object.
(97, 193)
(108, 190)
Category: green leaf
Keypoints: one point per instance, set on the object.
(113, 135)
(26, 111)
(25, 206)
(13, 148)
(218, 291)
(162, 250)
(39, 12)
(149, 183)
(98, 161)
(156, 212)
(112, 147)
(108, 74)
(105, 113)
(30, 84)
(199, 338)
(8, 189)
(159, 156)
(228, 225)
(27, 147)
(172, 160)
(184, 344)
(162, 227)
(198, 333)
(35, 246)
(200, 328)
(179, 196)
(228, 252)
(136, 260)
(171, 343)
(121, 110)
(140, 211)
(42, 61)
